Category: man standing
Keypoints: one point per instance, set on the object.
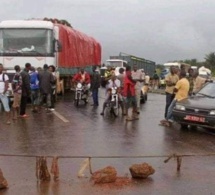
(171, 80)
(26, 89)
(4, 84)
(17, 91)
(155, 81)
(190, 78)
(181, 89)
(121, 77)
(129, 93)
(34, 89)
(46, 79)
(138, 76)
(94, 86)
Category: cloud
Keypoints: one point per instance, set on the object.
(160, 30)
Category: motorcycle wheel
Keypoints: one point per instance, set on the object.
(114, 110)
(77, 100)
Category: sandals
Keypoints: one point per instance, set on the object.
(23, 116)
(165, 123)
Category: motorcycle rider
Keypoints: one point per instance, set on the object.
(113, 82)
(84, 78)
(108, 74)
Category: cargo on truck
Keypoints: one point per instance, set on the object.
(141, 63)
(42, 42)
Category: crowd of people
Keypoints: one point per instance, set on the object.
(180, 85)
(129, 83)
(39, 85)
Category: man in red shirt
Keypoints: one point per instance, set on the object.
(129, 93)
(82, 76)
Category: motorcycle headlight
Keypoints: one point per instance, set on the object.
(113, 91)
(79, 85)
(212, 112)
(180, 107)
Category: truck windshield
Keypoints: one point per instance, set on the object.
(115, 63)
(26, 42)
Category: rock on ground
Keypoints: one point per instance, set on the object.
(106, 175)
(141, 171)
(3, 181)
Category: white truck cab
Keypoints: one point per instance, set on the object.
(116, 64)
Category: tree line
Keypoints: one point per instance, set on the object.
(209, 62)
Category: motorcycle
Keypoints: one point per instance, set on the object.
(113, 104)
(81, 94)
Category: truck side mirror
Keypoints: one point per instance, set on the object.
(57, 46)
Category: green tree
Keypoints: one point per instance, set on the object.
(210, 60)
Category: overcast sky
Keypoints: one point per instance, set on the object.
(159, 30)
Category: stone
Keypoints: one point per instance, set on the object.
(3, 181)
(106, 175)
(141, 171)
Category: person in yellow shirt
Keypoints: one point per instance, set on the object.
(181, 91)
(171, 80)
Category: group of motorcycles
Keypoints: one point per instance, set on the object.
(82, 94)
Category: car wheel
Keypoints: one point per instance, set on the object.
(184, 126)
(192, 127)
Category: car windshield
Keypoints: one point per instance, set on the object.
(207, 91)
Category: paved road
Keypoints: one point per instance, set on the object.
(72, 131)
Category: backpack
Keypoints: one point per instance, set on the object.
(16, 82)
(3, 77)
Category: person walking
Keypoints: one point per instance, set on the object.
(171, 80)
(95, 85)
(46, 80)
(35, 93)
(4, 85)
(17, 91)
(26, 90)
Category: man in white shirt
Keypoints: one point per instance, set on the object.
(4, 84)
(113, 82)
(138, 76)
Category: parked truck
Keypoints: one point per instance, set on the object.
(122, 59)
(42, 42)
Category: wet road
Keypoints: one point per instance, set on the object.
(72, 131)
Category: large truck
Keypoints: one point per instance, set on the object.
(42, 42)
(122, 59)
